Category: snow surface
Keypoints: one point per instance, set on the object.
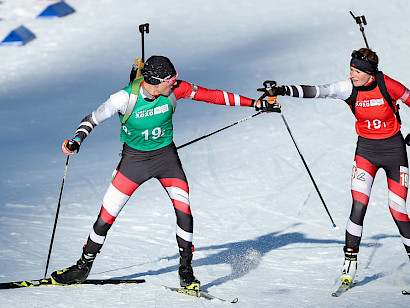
(261, 231)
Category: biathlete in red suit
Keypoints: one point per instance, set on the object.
(380, 144)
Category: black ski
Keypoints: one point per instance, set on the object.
(199, 293)
(48, 281)
(405, 292)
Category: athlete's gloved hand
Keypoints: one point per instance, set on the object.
(280, 90)
(269, 105)
(72, 146)
(274, 90)
(407, 140)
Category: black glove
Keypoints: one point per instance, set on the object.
(407, 140)
(72, 146)
(273, 90)
(266, 106)
(281, 90)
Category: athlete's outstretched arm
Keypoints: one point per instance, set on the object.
(338, 90)
(116, 103)
(194, 92)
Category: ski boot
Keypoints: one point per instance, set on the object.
(76, 273)
(350, 265)
(186, 273)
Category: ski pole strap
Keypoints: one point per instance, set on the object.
(133, 98)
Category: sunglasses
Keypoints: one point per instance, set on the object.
(170, 80)
(358, 55)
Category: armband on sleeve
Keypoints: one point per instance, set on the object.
(194, 90)
(405, 95)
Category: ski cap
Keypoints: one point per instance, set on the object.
(159, 67)
(362, 63)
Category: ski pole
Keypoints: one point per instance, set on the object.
(56, 218)
(268, 90)
(308, 171)
(217, 131)
(223, 128)
(361, 20)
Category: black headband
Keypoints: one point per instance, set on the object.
(363, 64)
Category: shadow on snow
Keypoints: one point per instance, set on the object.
(243, 256)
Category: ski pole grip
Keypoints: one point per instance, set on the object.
(269, 85)
(144, 28)
(267, 89)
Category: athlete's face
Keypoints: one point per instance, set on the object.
(165, 87)
(358, 77)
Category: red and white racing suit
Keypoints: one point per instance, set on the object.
(137, 166)
(380, 145)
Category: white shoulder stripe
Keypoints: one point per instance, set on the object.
(237, 99)
(226, 98)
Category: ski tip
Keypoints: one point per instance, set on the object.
(405, 292)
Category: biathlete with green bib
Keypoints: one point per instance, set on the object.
(148, 152)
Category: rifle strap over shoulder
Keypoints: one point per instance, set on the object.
(135, 88)
(351, 101)
(173, 99)
(382, 87)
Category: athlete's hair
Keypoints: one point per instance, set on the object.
(369, 54)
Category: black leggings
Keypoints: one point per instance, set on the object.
(135, 168)
(389, 154)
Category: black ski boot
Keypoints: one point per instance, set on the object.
(350, 265)
(186, 273)
(76, 273)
